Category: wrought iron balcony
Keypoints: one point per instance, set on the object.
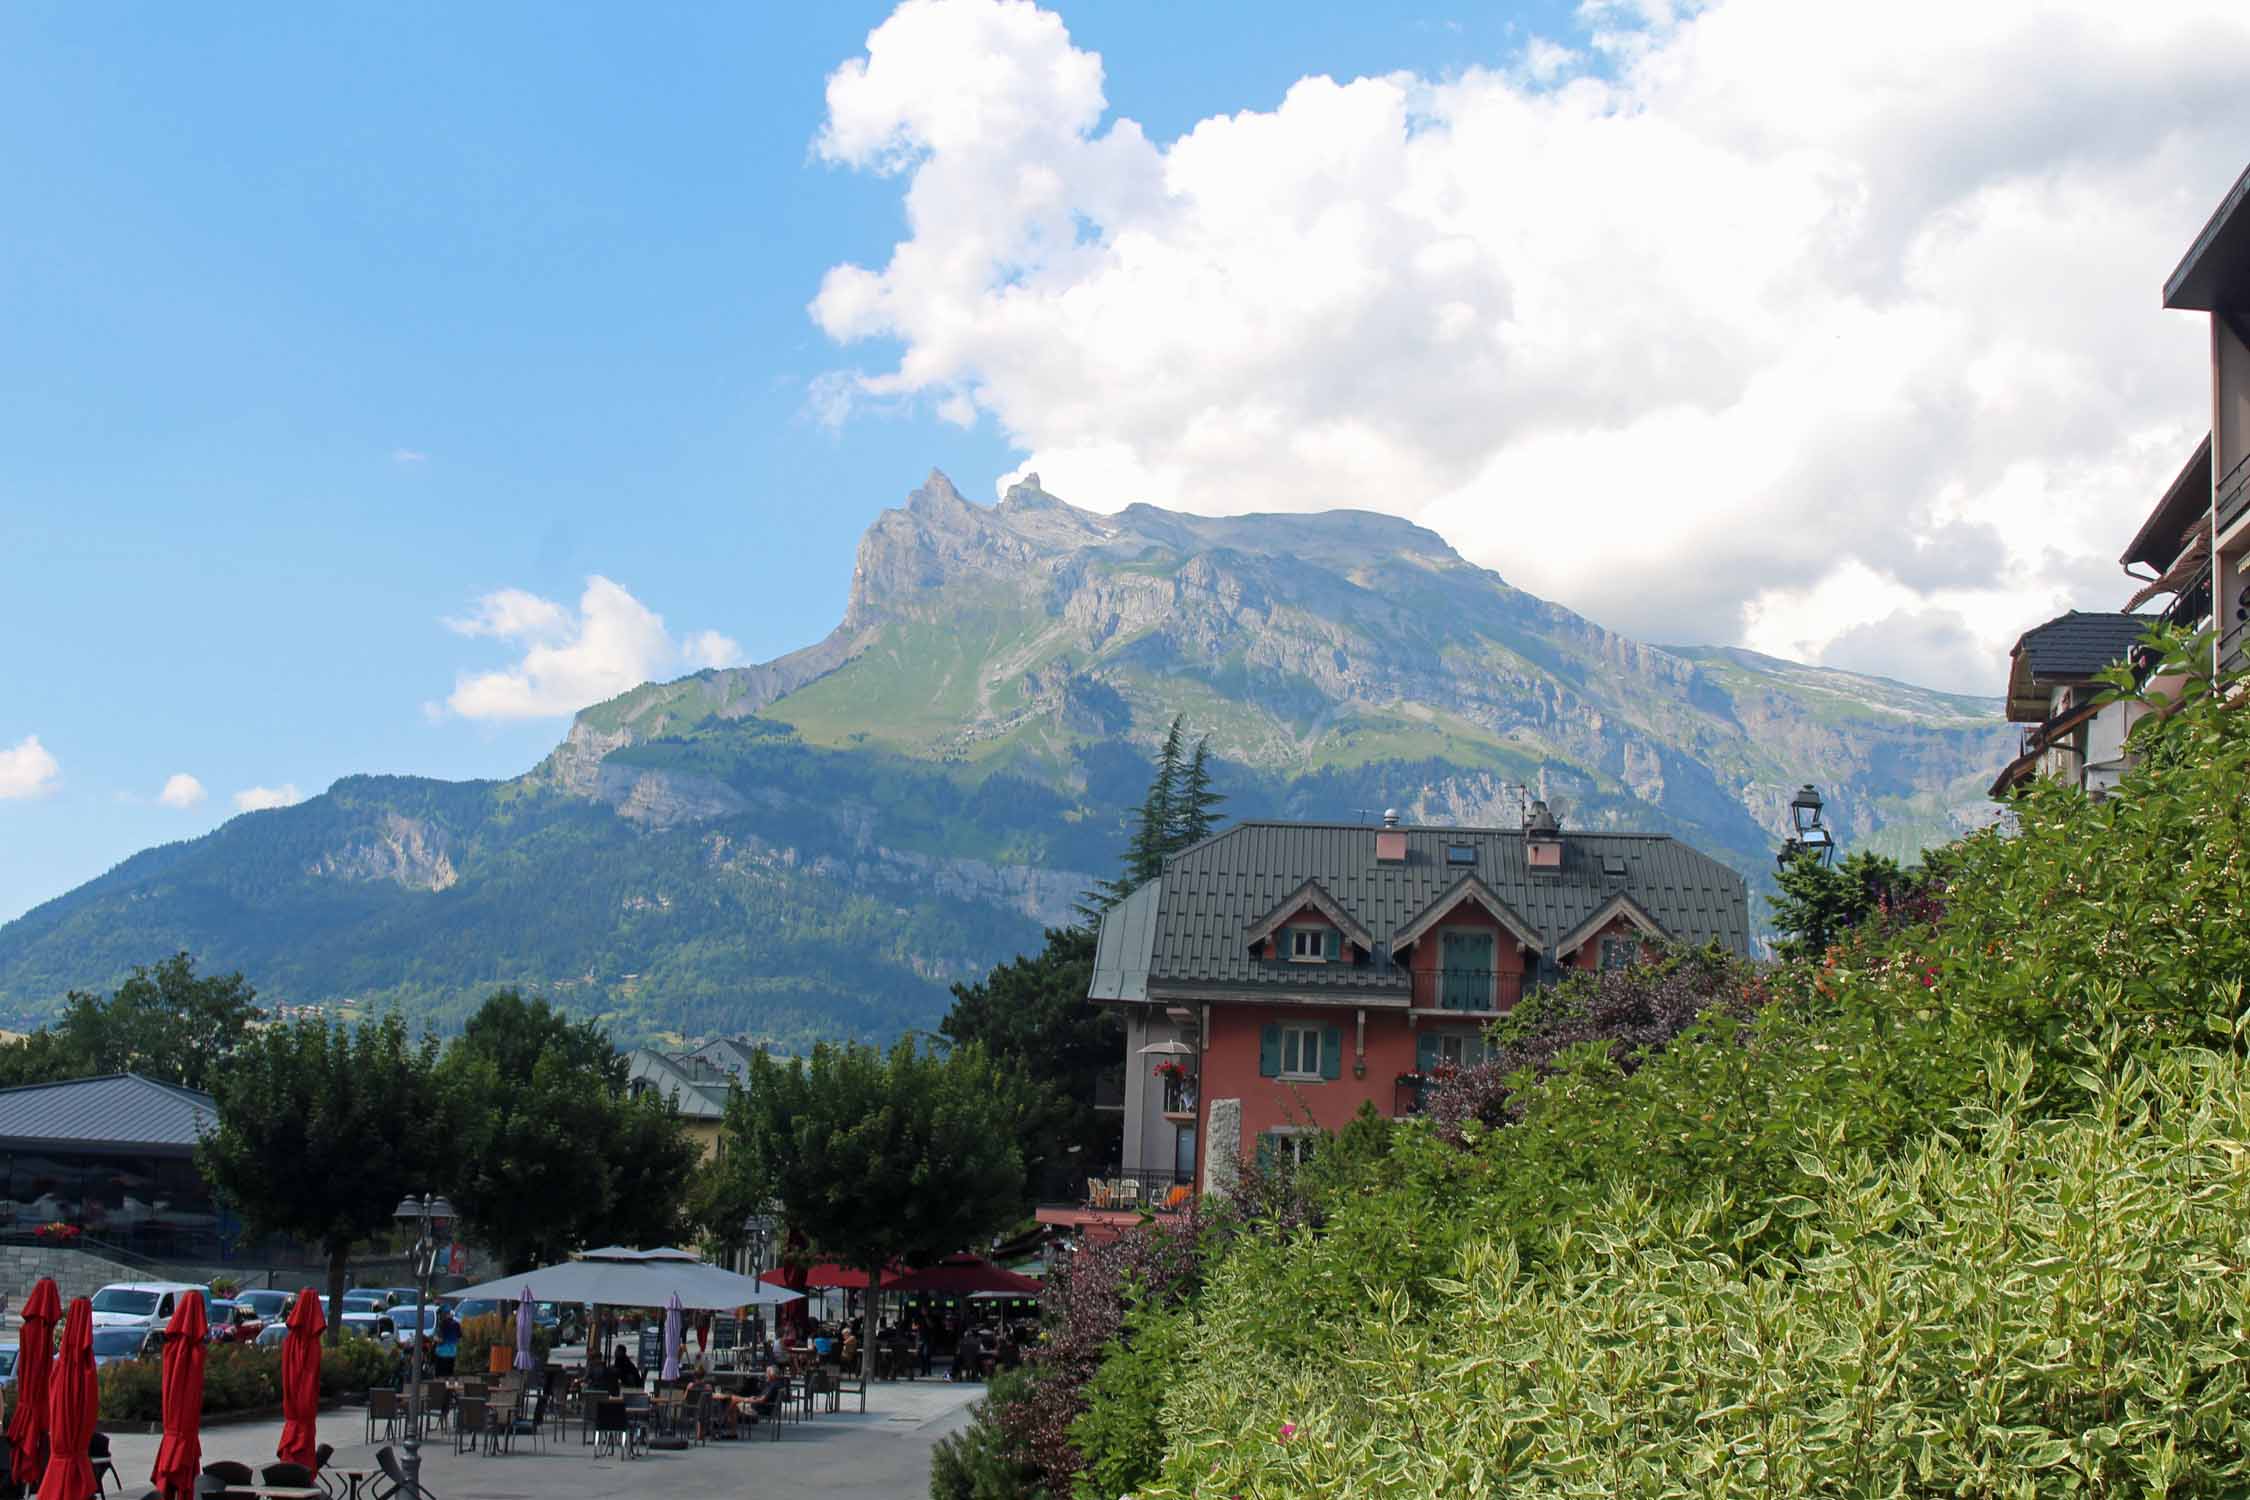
(2232, 496)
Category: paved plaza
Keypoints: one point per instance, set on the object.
(845, 1455)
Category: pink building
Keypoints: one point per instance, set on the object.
(1279, 976)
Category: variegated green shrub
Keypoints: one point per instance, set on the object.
(2035, 1304)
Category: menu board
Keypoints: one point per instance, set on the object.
(652, 1349)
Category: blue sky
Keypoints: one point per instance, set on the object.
(322, 323)
(322, 328)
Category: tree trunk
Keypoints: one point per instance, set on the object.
(339, 1256)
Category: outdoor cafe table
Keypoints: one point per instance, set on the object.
(280, 1491)
(355, 1478)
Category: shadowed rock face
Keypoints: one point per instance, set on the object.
(819, 845)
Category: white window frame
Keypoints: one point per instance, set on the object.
(1460, 1049)
(1630, 943)
(1297, 1142)
(1304, 1042)
(1316, 938)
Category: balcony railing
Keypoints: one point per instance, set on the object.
(1179, 1093)
(2232, 496)
(2234, 650)
(1161, 1189)
(1466, 989)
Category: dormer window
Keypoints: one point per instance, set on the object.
(1315, 945)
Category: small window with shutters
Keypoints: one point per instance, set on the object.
(1315, 945)
(1300, 1053)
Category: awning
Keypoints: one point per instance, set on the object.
(635, 1278)
(965, 1275)
(827, 1276)
(2186, 570)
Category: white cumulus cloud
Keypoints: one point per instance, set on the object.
(1783, 322)
(27, 769)
(572, 658)
(259, 798)
(181, 790)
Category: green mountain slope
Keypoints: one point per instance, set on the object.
(819, 845)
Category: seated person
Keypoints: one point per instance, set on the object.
(824, 1343)
(850, 1351)
(626, 1373)
(771, 1393)
(968, 1357)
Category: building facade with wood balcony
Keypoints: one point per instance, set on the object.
(2213, 279)
(1280, 975)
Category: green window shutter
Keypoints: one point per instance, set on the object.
(1425, 1052)
(1335, 945)
(1332, 1052)
(1269, 1051)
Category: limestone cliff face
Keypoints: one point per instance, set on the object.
(404, 851)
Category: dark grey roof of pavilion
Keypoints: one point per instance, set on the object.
(2081, 643)
(1189, 928)
(120, 1110)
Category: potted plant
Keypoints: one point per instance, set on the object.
(58, 1233)
(1171, 1070)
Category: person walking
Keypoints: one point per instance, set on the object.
(447, 1346)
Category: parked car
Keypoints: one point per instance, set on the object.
(413, 1321)
(372, 1325)
(257, 1308)
(141, 1304)
(399, 1296)
(366, 1299)
(270, 1336)
(116, 1343)
(466, 1308)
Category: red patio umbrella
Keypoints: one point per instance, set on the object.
(180, 1457)
(74, 1398)
(300, 1380)
(35, 1351)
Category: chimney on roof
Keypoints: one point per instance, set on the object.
(1542, 840)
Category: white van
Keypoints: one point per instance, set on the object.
(142, 1304)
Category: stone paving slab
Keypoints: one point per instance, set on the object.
(842, 1455)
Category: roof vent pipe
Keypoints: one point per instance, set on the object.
(1390, 817)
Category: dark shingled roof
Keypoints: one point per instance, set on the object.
(1191, 927)
(2077, 645)
(121, 1110)
(2214, 275)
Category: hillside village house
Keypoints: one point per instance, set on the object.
(2055, 691)
(1279, 975)
(694, 1083)
(2194, 546)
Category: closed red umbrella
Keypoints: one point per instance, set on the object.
(74, 1398)
(300, 1379)
(35, 1350)
(180, 1457)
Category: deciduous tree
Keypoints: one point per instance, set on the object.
(878, 1157)
(322, 1130)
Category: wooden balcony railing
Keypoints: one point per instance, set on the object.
(1468, 990)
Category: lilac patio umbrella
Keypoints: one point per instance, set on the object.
(525, 1313)
(672, 1338)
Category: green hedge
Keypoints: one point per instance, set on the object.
(2037, 1306)
(241, 1377)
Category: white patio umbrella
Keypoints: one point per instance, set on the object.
(637, 1278)
(1167, 1049)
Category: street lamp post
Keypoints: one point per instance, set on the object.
(1807, 834)
(759, 1230)
(428, 1214)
